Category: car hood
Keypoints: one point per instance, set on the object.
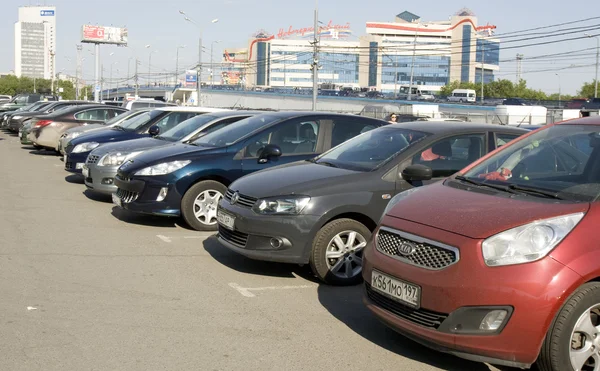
(170, 152)
(85, 129)
(106, 136)
(473, 214)
(301, 177)
(133, 145)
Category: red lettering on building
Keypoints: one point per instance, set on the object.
(291, 31)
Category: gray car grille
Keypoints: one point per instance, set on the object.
(92, 159)
(243, 200)
(127, 196)
(425, 254)
(236, 238)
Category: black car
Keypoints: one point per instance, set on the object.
(16, 120)
(5, 116)
(189, 179)
(322, 211)
(515, 102)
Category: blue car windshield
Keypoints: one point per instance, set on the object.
(186, 128)
(370, 150)
(236, 131)
(137, 122)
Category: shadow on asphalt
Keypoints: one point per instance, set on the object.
(41, 152)
(75, 179)
(148, 220)
(242, 264)
(99, 197)
(345, 304)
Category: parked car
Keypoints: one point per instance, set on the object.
(145, 103)
(77, 131)
(48, 129)
(576, 103)
(375, 94)
(146, 125)
(16, 120)
(498, 263)
(322, 211)
(102, 163)
(28, 108)
(190, 179)
(21, 100)
(515, 102)
(591, 104)
(5, 98)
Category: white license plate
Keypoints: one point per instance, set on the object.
(85, 171)
(398, 290)
(65, 159)
(116, 200)
(20, 133)
(226, 220)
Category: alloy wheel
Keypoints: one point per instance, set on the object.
(344, 254)
(205, 206)
(584, 351)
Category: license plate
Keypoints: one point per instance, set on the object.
(228, 221)
(65, 159)
(116, 200)
(20, 133)
(396, 289)
(85, 171)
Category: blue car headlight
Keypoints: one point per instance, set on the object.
(163, 169)
(290, 205)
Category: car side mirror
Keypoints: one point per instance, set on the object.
(267, 152)
(154, 130)
(417, 172)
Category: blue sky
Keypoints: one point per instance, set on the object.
(159, 24)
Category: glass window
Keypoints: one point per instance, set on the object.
(371, 149)
(293, 137)
(563, 159)
(348, 128)
(449, 155)
(236, 131)
(172, 119)
(100, 114)
(502, 139)
(137, 122)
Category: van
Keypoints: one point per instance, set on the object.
(462, 96)
(145, 103)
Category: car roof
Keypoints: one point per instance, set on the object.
(287, 114)
(442, 127)
(234, 113)
(190, 109)
(81, 107)
(590, 120)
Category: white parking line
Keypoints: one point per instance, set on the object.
(247, 291)
(200, 235)
(164, 238)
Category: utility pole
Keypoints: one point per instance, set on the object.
(199, 74)
(482, 66)
(519, 66)
(77, 71)
(315, 64)
(102, 82)
(135, 78)
(412, 65)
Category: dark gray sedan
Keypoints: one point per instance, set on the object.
(323, 211)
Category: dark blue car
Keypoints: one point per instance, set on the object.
(189, 179)
(160, 119)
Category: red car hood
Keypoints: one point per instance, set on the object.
(473, 214)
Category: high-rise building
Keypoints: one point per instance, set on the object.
(35, 42)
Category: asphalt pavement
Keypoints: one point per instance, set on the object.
(87, 286)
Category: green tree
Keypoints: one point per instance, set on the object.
(587, 90)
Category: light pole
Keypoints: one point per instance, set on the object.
(412, 65)
(559, 90)
(199, 74)
(597, 59)
(111, 80)
(150, 61)
(177, 63)
(212, 68)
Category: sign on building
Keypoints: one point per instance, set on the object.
(47, 13)
(191, 78)
(103, 35)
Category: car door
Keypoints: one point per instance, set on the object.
(446, 156)
(298, 139)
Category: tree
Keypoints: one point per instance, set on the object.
(587, 90)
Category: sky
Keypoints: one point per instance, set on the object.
(159, 24)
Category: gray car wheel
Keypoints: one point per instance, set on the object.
(199, 205)
(336, 256)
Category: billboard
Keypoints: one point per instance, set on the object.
(191, 78)
(231, 78)
(46, 13)
(103, 35)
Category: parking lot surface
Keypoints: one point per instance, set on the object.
(86, 286)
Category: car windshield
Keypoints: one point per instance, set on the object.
(125, 115)
(137, 122)
(186, 127)
(560, 162)
(371, 150)
(236, 131)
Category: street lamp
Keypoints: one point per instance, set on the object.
(212, 68)
(150, 61)
(559, 92)
(177, 63)
(199, 75)
(412, 65)
(597, 59)
(111, 80)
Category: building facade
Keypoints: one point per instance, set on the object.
(391, 56)
(35, 42)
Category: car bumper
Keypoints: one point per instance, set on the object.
(101, 179)
(140, 196)
(534, 291)
(279, 238)
(74, 162)
(23, 137)
(47, 137)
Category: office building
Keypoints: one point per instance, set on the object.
(35, 42)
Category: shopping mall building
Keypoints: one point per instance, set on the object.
(436, 53)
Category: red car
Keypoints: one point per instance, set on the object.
(500, 262)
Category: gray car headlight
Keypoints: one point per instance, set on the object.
(85, 147)
(529, 242)
(116, 159)
(163, 169)
(281, 205)
(17, 117)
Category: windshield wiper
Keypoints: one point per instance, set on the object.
(534, 191)
(325, 163)
(119, 128)
(482, 184)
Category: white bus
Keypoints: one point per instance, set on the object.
(463, 95)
